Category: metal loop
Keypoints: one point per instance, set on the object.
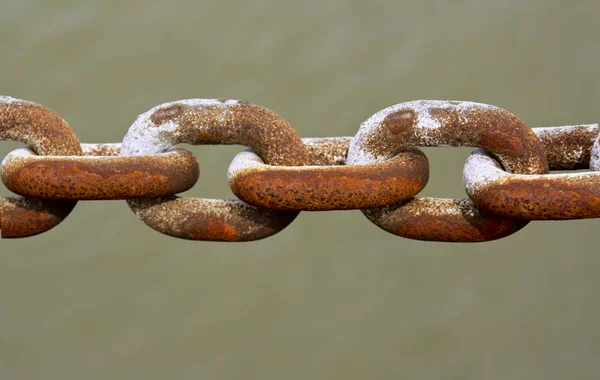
(540, 197)
(447, 123)
(595, 155)
(439, 219)
(48, 134)
(99, 174)
(328, 184)
(211, 121)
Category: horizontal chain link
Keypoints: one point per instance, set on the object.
(540, 197)
(379, 170)
(99, 174)
(326, 182)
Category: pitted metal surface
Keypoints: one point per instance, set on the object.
(379, 170)
(215, 121)
(210, 219)
(447, 123)
(99, 174)
(326, 183)
(540, 197)
(47, 134)
(595, 155)
(439, 219)
(209, 121)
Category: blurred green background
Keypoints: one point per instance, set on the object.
(332, 296)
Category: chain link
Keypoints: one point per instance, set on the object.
(47, 134)
(540, 197)
(378, 171)
(326, 182)
(100, 174)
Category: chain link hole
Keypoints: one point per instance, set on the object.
(445, 172)
(214, 161)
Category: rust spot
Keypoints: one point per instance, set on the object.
(329, 187)
(48, 134)
(568, 147)
(43, 129)
(542, 197)
(452, 124)
(25, 217)
(165, 114)
(557, 197)
(91, 178)
(229, 122)
(447, 220)
(210, 219)
(400, 122)
(214, 229)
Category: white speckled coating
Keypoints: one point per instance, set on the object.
(425, 125)
(144, 137)
(9, 99)
(479, 170)
(243, 160)
(248, 159)
(575, 153)
(595, 156)
(21, 152)
(547, 131)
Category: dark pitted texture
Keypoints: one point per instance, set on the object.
(210, 219)
(540, 197)
(432, 219)
(213, 121)
(378, 171)
(100, 174)
(47, 134)
(447, 123)
(328, 184)
(216, 122)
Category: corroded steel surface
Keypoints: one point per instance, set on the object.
(47, 134)
(540, 197)
(210, 219)
(37, 126)
(438, 219)
(215, 121)
(327, 184)
(377, 171)
(568, 147)
(209, 121)
(447, 123)
(99, 174)
(595, 155)
(24, 217)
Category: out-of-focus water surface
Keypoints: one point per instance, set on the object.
(332, 296)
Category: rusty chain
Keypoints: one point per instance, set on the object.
(378, 171)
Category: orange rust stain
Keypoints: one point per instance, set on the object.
(215, 229)
(165, 114)
(400, 122)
